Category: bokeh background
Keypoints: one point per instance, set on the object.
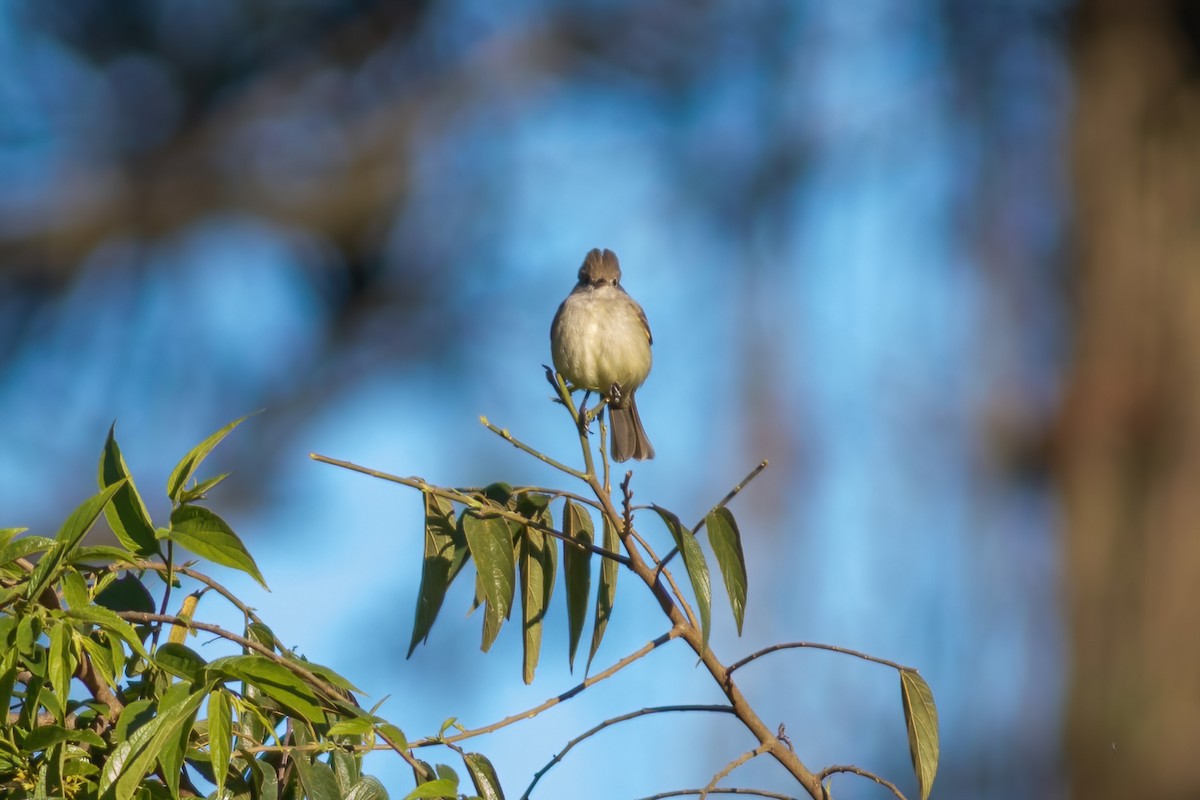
(938, 261)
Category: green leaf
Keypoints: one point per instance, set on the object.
(367, 789)
(434, 789)
(274, 680)
(537, 584)
(920, 716)
(187, 466)
(445, 553)
(358, 726)
(74, 589)
(606, 594)
(25, 546)
(62, 661)
(577, 571)
(201, 490)
(181, 661)
(483, 775)
(317, 779)
(68, 538)
(131, 760)
(208, 536)
(174, 747)
(102, 660)
(44, 737)
(220, 736)
(345, 770)
(8, 534)
(127, 514)
(395, 734)
(726, 543)
(97, 615)
(490, 542)
(696, 566)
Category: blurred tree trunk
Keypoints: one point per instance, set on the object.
(1131, 423)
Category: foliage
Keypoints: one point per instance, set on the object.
(102, 705)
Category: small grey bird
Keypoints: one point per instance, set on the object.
(600, 341)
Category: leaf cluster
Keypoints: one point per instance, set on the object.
(96, 707)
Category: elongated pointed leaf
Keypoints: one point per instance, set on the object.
(275, 681)
(726, 543)
(537, 584)
(696, 566)
(220, 736)
(68, 538)
(483, 775)
(126, 514)
(577, 572)
(24, 547)
(136, 756)
(8, 534)
(62, 662)
(367, 788)
(317, 779)
(187, 466)
(98, 615)
(445, 554)
(201, 489)
(920, 716)
(441, 787)
(208, 536)
(606, 594)
(180, 661)
(490, 543)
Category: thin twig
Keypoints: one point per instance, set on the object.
(540, 456)
(751, 792)
(732, 765)
(553, 701)
(120, 566)
(484, 508)
(833, 648)
(825, 773)
(613, 721)
(733, 492)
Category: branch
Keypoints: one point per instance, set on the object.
(540, 456)
(732, 765)
(473, 503)
(613, 721)
(833, 648)
(553, 701)
(685, 792)
(825, 773)
(754, 473)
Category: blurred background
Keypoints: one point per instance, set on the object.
(938, 261)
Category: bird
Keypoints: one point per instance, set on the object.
(600, 342)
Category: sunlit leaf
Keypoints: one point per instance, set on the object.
(490, 542)
(62, 661)
(68, 538)
(220, 736)
(275, 681)
(181, 661)
(445, 553)
(201, 490)
(24, 547)
(434, 789)
(108, 620)
(537, 584)
(317, 779)
(696, 566)
(483, 775)
(577, 572)
(187, 466)
(367, 788)
(606, 594)
(726, 543)
(135, 757)
(208, 536)
(126, 514)
(8, 534)
(920, 716)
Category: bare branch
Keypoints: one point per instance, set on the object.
(613, 721)
(732, 765)
(833, 648)
(540, 456)
(751, 792)
(825, 773)
(553, 701)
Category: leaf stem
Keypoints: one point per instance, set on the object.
(850, 768)
(833, 648)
